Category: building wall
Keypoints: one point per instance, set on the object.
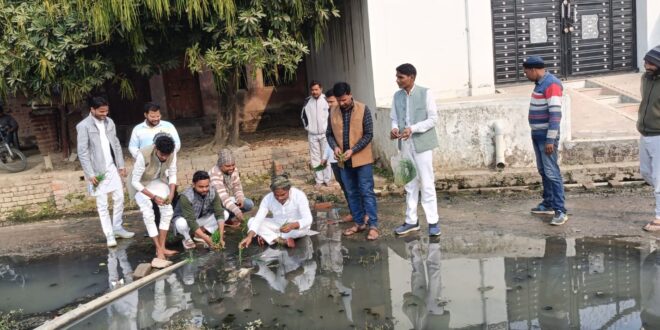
(648, 27)
(466, 134)
(345, 55)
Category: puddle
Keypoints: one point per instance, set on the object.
(493, 281)
(47, 285)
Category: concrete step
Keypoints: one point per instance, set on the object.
(609, 99)
(595, 91)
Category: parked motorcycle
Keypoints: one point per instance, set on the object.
(11, 159)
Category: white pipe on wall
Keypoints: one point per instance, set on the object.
(500, 163)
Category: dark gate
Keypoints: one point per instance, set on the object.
(574, 37)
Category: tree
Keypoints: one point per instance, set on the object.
(59, 51)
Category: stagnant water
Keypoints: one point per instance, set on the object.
(38, 286)
(486, 281)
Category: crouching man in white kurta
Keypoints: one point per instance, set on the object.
(154, 179)
(291, 219)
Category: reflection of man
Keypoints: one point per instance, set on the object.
(650, 289)
(422, 303)
(554, 286)
(167, 305)
(289, 262)
(122, 314)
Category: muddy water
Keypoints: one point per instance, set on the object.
(488, 280)
(41, 286)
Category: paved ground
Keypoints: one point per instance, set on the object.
(620, 211)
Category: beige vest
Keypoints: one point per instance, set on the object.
(364, 156)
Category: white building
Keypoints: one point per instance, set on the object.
(470, 47)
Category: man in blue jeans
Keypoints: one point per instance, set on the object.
(349, 134)
(544, 120)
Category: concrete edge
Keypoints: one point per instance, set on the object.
(86, 309)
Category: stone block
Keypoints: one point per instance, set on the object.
(615, 183)
(142, 270)
(588, 185)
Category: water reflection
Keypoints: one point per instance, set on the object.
(122, 314)
(487, 280)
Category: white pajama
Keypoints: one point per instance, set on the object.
(166, 212)
(269, 230)
(111, 184)
(649, 166)
(317, 145)
(423, 182)
(208, 222)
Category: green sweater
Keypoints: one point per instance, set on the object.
(648, 117)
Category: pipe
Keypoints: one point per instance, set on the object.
(499, 145)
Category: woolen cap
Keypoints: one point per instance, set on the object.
(653, 56)
(534, 62)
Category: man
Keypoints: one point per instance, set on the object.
(315, 119)
(544, 120)
(414, 117)
(143, 135)
(291, 219)
(227, 184)
(102, 162)
(329, 157)
(648, 125)
(154, 179)
(9, 126)
(349, 134)
(199, 208)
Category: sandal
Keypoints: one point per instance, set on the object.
(354, 230)
(373, 234)
(652, 226)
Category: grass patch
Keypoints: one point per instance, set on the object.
(45, 210)
(384, 173)
(9, 320)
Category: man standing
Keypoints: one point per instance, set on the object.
(315, 119)
(414, 116)
(9, 126)
(544, 120)
(648, 125)
(291, 216)
(102, 162)
(199, 208)
(143, 133)
(227, 184)
(349, 134)
(154, 179)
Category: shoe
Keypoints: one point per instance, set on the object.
(123, 233)
(434, 230)
(406, 228)
(188, 244)
(111, 240)
(559, 219)
(542, 209)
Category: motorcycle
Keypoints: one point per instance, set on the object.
(11, 159)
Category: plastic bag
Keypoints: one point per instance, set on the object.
(403, 167)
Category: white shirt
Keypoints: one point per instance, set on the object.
(423, 126)
(105, 143)
(295, 209)
(140, 167)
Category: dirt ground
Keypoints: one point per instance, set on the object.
(601, 212)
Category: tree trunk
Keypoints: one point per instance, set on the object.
(227, 122)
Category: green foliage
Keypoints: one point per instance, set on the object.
(9, 320)
(405, 172)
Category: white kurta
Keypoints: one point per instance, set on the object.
(295, 209)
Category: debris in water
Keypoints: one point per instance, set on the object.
(484, 289)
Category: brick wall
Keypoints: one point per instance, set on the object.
(44, 127)
(68, 190)
(17, 107)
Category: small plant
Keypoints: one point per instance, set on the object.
(341, 160)
(405, 172)
(320, 167)
(99, 178)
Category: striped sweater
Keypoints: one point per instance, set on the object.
(226, 190)
(545, 108)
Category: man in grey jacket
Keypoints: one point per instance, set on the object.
(102, 161)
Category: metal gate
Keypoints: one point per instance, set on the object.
(574, 37)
